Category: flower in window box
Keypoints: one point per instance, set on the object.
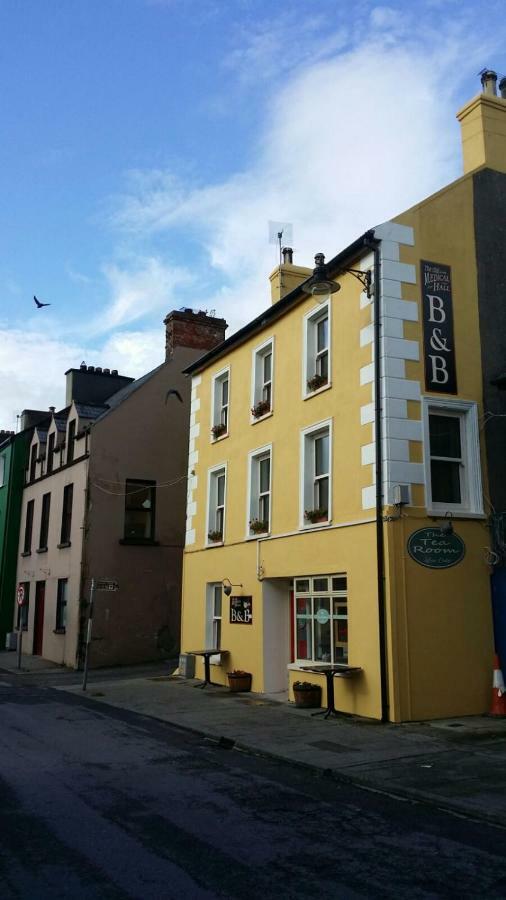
(215, 536)
(317, 381)
(316, 515)
(218, 430)
(261, 408)
(258, 526)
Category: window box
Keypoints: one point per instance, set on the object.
(316, 515)
(258, 527)
(261, 409)
(218, 430)
(215, 537)
(316, 382)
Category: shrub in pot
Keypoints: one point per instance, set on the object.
(261, 409)
(316, 515)
(307, 695)
(218, 430)
(316, 382)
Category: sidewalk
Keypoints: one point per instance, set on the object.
(458, 765)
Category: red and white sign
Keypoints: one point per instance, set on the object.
(20, 595)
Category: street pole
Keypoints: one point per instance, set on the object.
(88, 635)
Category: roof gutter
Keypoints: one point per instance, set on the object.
(334, 267)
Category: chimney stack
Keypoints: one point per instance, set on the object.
(286, 277)
(191, 329)
(88, 384)
(483, 127)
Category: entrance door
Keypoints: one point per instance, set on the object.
(38, 622)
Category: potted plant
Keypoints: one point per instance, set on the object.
(258, 526)
(316, 515)
(218, 430)
(317, 381)
(261, 408)
(215, 536)
(239, 680)
(307, 695)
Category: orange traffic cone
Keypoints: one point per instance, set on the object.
(498, 707)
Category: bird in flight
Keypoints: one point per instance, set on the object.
(38, 304)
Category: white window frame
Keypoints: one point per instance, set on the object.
(471, 481)
(253, 498)
(212, 490)
(257, 379)
(212, 619)
(309, 347)
(307, 438)
(313, 594)
(216, 405)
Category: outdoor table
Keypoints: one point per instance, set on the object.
(207, 663)
(340, 670)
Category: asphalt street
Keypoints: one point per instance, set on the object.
(99, 802)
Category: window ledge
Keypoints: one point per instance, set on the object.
(26, 553)
(267, 415)
(64, 545)
(139, 542)
(59, 631)
(41, 550)
(312, 525)
(455, 514)
(259, 536)
(324, 387)
(211, 544)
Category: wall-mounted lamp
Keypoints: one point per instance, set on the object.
(321, 286)
(227, 586)
(446, 526)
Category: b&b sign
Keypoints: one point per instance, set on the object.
(241, 610)
(439, 347)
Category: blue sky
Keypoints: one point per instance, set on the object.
(145, 144)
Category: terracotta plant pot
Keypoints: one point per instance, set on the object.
(239, 681)
(308, 698)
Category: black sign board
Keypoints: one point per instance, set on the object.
(241, 610)
(438, 344)
(431, 548)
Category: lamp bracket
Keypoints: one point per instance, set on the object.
(365, 279)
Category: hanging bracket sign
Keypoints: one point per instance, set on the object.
(430, 548)
(241, 610)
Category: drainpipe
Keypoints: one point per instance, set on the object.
(380, 545)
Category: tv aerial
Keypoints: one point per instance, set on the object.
(281, 234)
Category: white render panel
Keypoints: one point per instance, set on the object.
(193, 418)
(406, 472)
(192, 509)
(193, 458)
(196, 380)
(365, 300)
(190, 537)
(401, 309)
(402, 388)
(390, 250)
(194, 431)
(368, 454)
(366, 335)
(403, 349)
(390, 288)
(397, 271)
(393, 367)
(367, 414)
(369, 497)
(393, 231)
(397, 449)
(394, 407)
(392, 327)
(196, 405)
(407, 429)
(367, 374)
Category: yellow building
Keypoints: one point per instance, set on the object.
(337, 469)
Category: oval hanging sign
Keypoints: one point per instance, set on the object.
(430, 548)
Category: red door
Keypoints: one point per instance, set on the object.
(38, 622)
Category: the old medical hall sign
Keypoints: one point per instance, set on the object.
(439, 348)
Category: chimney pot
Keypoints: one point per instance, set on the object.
(193, 330)
(91, 368)
(99, 370)
(488, 82)
(502, 87)
(287, 255)
(114, 371)
(107, 371)
(52, 409)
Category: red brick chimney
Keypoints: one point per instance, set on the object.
(197, 330)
